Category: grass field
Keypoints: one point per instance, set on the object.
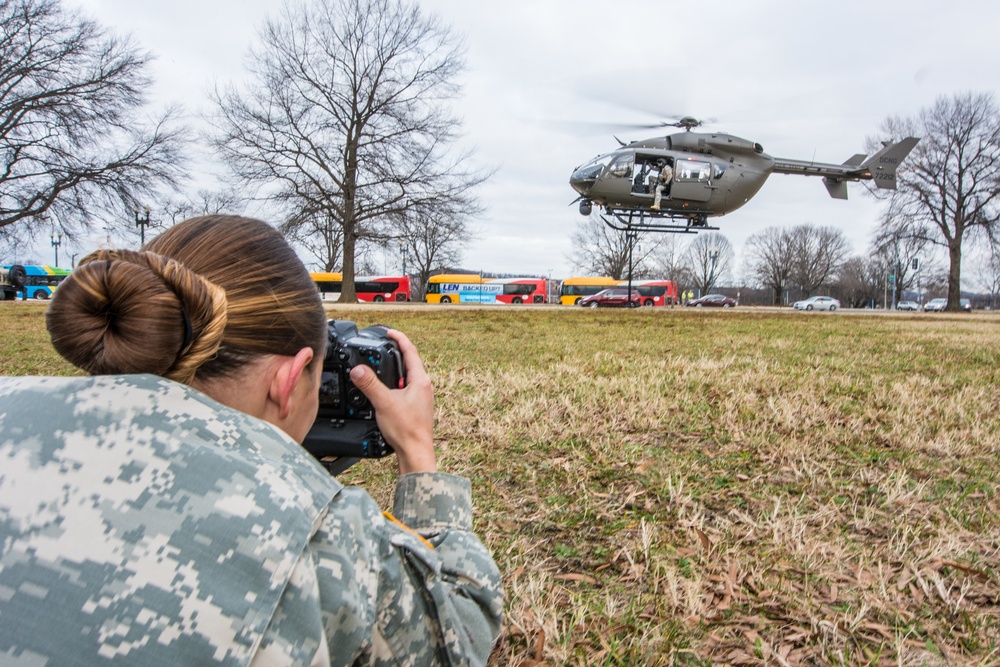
(698, 488)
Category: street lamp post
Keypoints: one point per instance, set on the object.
(713, 254)
(141, 222)
(631, 237)
(56, 242)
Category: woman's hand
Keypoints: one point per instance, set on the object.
(405, 416)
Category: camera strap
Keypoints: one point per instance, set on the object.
(402, 525)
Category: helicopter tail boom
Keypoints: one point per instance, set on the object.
(880, 167)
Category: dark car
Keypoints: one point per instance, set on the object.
(713, 300)
(612, 298)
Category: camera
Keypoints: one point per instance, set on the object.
(345, 425)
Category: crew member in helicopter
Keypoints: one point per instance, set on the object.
(662, 181)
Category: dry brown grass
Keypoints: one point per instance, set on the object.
(740, 488)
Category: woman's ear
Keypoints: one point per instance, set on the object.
(288, 373)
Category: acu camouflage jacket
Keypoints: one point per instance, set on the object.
(144, 523)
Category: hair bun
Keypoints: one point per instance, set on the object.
(123, 311)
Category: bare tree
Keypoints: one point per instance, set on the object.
(669, 261)
(431, 237)
(817, 254)
(15, 242)
(601, 250)
(989, 273)
(861, 281)
(73, 140)
(949, 186)
(897, 251)
(345, 119)
(770, 259)
(320, 233)
(709, 258)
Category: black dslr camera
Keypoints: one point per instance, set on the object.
(345, 427)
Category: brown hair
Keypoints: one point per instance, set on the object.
(201, 300)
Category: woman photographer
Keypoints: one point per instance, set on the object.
(161, 511)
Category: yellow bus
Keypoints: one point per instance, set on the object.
(460, 288)
(574, 289)
(473, 288)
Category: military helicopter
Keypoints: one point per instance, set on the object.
(714, 173)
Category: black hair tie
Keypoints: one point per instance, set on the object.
(187, 330)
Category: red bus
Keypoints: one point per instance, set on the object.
(382, 288)
(370, 289)
(521, 290)
(655, 292)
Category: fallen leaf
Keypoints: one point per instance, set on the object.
(705, 542)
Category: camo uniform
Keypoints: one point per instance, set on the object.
(662, 180)
(141, 521)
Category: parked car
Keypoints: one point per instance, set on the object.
(907, 305)
(938, 305)
(817, 303)
(713, 300)
(935, 305)
(612, 298)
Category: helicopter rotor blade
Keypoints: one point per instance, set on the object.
(600, 128)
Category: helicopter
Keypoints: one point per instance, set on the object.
(714, 173)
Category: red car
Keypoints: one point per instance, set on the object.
(615, 297)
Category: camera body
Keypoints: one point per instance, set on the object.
(345, 423)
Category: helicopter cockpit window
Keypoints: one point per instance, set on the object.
(622, 167)
(592, 170)
(692, 170)
(718, 170)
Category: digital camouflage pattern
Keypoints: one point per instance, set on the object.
(141, 521)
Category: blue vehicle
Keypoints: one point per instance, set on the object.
(37, 281)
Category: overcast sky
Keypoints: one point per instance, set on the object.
(808, 80)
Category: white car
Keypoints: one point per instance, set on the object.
(907, 305)
(935, 305)
(938, 305)
(817, 303)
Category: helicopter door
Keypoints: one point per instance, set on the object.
(692, 180)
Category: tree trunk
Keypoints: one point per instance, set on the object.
(955, 274)
(348, 293)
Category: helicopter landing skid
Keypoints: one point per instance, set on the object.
(645, 220)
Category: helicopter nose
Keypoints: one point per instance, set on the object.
(581, 185)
